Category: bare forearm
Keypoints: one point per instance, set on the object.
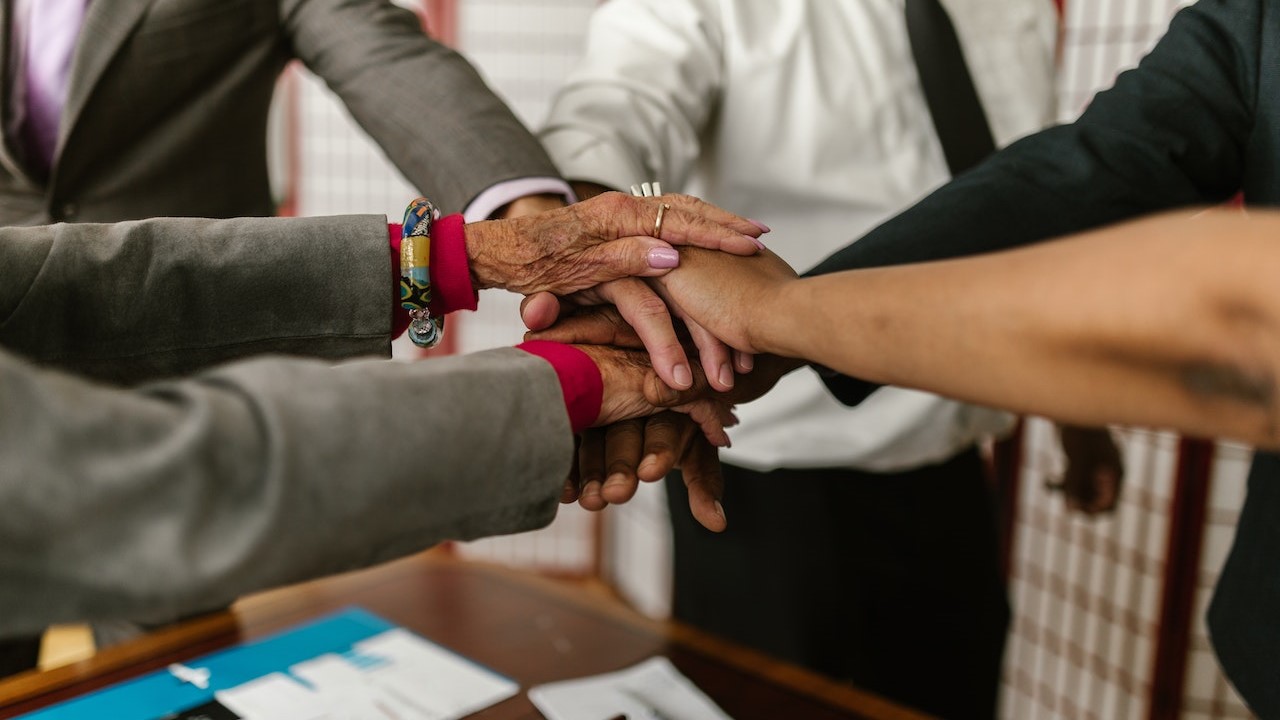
(1170, 321)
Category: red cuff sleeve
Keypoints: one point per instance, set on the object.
(399, 316)
(451, 287)
(580, 380)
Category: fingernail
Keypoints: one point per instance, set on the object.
(755, 240)
(747, 361)
(683, 377)
(757, 223)
(726, 375)
(615, 480)
(648, 462)
(720, 510)
(663, 258)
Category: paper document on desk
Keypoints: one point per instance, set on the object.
(352, 665)
(393, 675)
(652, 690)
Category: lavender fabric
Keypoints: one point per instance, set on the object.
(51, 32)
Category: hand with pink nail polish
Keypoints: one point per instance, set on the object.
(638, 305)
(608, 237)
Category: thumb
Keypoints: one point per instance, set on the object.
(539, 311)
(660, 394)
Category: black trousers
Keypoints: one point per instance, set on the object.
(889, 581)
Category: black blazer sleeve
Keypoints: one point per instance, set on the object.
(1171, 132)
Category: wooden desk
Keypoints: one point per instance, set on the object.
(527, 627)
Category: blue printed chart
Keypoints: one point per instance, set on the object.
(352, 665)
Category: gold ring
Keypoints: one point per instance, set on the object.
(657, 226)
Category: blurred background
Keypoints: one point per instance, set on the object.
(1108, 611)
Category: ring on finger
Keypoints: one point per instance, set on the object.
(657, 225)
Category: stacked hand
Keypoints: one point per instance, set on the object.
(606, 238)
(596, 276)
(723, 296)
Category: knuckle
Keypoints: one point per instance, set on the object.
(615, 201)
(647, 306)
(662, 444)
(627, 430)
(619, 465)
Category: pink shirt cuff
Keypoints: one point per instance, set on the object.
(580, 380)
(451, 287)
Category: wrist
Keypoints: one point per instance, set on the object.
(771, 326)
(581, 383)
(479, 240)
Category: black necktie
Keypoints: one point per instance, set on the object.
(948, 88)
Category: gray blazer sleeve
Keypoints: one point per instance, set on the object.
(179, 495)
(147, 299)
(423, 103)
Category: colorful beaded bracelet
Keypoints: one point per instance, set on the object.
(415, 273)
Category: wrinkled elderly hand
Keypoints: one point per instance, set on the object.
(613, 460)
(632, 390)
(605, 238)
(632, 419)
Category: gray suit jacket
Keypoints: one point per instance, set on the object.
(166, 112)
(135, 496)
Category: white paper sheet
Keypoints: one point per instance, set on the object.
(393, 675)
(651, 690)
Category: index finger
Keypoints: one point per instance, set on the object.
(704, 481)
(718, 215)
(648, 316)
(667, 436)
(688, 227)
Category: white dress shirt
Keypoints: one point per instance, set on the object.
(808, 116)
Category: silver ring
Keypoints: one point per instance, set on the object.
(657, 225)
(653, 189)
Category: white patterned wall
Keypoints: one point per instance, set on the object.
(1086, 593)
(524, 49)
